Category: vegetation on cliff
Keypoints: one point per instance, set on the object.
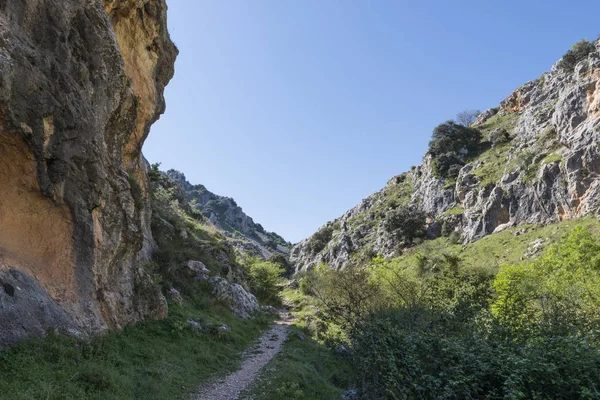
(442, 322)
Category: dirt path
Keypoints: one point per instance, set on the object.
(230, 387)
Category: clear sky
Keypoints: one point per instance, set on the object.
(298, 109)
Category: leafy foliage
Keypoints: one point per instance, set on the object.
(499, 136)
(319, 240)
(430, 326)
(559, 292)
(263, 277)
(450, 145)
(405, 223)
(578, 52)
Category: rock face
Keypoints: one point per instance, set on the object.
(80, 85)
(544, 170)
(242, 303)
(241, 230)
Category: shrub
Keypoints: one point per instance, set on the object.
(578, 52)
(559, 291)
(450, 146)
(263, 277)
(454, 138)
(345, 297)
(405, 223)
(499, 136)
(154, 172)
(319, 240)
(441, 362)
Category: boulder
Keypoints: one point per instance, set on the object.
(196, 269)
(242, 303)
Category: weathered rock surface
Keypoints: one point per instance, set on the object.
(242, 303)
(547, 172)
(241, 230)
(80, 85)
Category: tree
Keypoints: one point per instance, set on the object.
(449, 147)
(405, 223)
(467, 117)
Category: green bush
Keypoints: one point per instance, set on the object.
(435, 329)
(346, 296)
(559, 292)
(499, 136)
(451, 144)
(319, 240)
(263, 277)
(405, 223)
(578, 52)
(437, 361)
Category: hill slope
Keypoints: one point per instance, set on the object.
(543, 169)
(226, 215)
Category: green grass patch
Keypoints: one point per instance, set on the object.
(551, 158)
(305, 369)
(507, 122)
(502, 247)
(494, 162)
(150, 360)
(454, 211)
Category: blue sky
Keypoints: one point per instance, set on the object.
(298, 109)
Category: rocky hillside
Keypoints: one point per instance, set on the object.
(537, 162)
(81, 82)
(226, 215)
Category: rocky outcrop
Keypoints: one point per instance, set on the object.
(223, 212)
(80, 85)
(544, 170)
(242, 303)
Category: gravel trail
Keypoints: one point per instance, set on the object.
(230, 387)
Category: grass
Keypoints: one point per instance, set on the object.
(500, 248)
(507, 122)
(454, 211)
(305, 369)
(149, 360)
(551, 158)
(494, 160)
(493, 165)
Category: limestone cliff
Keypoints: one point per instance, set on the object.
(227, 216)
(545, 170)
(81, 82)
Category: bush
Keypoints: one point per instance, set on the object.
(499, 136)
(441, 362)
(578, 52)
(405, 223)
(136, 191)
(453, 138)
(450, 146)
(427, 330)
(345, 297)
(263, 277)
(558, 292)
(319, 240)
